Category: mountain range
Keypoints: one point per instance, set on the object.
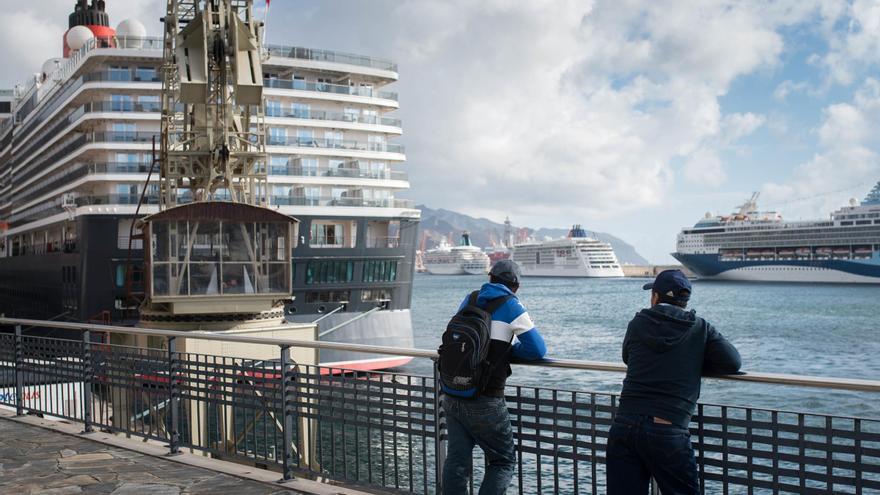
(440, 223)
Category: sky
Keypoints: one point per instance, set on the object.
(630, 117)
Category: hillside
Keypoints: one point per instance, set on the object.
(484, 232)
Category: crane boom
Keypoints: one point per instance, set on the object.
(213, 133)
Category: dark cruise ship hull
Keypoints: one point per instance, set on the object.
(86, 283)
(712, 267)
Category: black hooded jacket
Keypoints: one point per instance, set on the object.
(667, 349)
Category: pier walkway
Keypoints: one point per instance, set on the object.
(44, 457)
(325, 428)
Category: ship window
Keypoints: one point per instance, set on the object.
(329, 272)
(120, 73)
(145, 74)
(277, 136)
(5, 107)
(121, 103)
(380, 271)
(328, 296)
(273, 108)
(376, 295)
(326, 235)
(278, 164)
(301, 110)
(123, 232)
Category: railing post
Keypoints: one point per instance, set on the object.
(19, 374)
(287, 406)
(173, 397)
(439, 430)
(88, 372)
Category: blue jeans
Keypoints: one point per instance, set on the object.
(483, 421)
(639, 448)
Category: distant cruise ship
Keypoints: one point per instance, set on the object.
(76, 145)
(464, 259)
(574, 256)
(750, 245)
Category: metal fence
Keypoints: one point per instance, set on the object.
(385, 430)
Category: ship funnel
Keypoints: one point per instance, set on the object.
(465, 239)
(576, 231)
(87, 22)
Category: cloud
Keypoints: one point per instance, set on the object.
(535, 105)
(788, 87)
(704, 167)
(847, 164)
(32, 32)
(854, 50)
(736, 126)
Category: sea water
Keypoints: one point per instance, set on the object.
(803, 329)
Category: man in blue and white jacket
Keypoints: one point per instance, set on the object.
(484, 421)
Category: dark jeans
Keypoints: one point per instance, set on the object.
(483, 421)
(639, 448)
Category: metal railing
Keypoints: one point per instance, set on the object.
(296, 113)
(386, 430)
(354, 173)
(292, 200)
(330, 56)
(341, 144)
(340, 89)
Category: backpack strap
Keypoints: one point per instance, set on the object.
(472, 299)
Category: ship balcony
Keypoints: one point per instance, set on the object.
(332, 116)
(293, 200)
(333, 60)
(336, 144)
(343, 173)
(374, 95)
(78, 171)
(49, 111)
(336, 120)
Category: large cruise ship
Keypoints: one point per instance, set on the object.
(751, 245)
(76, 169)
(574, 256)
(464, 259)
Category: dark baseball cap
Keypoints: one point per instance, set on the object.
(669, 283)
(506, 271)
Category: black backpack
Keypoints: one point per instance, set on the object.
(464, 369)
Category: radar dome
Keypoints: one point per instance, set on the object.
(131, 28)
(78, 36)
(49, 66)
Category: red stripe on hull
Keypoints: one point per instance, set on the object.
(340, 367)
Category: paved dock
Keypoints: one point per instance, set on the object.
(35, 460)
(45, 457)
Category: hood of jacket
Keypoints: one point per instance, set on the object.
(664, 326)
(491, 291)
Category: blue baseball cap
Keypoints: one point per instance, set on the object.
(669, 283)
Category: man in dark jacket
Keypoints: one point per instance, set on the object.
(666, 349)
(484, 420)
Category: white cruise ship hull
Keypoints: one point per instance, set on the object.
(453, 269)
(571, 271)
